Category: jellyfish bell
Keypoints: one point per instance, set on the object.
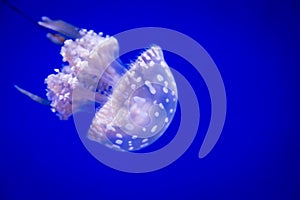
(135, 104)
(141, 106)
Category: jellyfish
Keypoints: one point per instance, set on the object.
(135, 102)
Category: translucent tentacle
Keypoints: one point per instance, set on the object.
(61, 27)
(56, 38)
(33, 96)
(60, 30)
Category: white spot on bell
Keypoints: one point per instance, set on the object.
(139, 100)
(153, 129)
(144, 140)
(134, 137)
(147, 57)
(163, 64)
(151, 63)
(161, 106)
(143, 64)
(129, 127)
(151, 88)
(131, 73)
(143, 145)
(110, 127)
(133, 86)
(165, 90)
(138, 79)
(115, 146)
(119, 142)
(168, 72)
(159, 77)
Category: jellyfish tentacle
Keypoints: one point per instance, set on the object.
(19, 11)
(33, 96)
(62, 29)
(56, 38)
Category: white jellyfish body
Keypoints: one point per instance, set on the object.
(135, 104)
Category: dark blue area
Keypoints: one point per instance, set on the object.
(255, 45)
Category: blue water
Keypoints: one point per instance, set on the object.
(253, 43)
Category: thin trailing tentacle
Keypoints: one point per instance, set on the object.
(33, 96)
(62, 29)
(19, 11)
(59, 30)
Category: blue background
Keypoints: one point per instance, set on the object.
(255, 45)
